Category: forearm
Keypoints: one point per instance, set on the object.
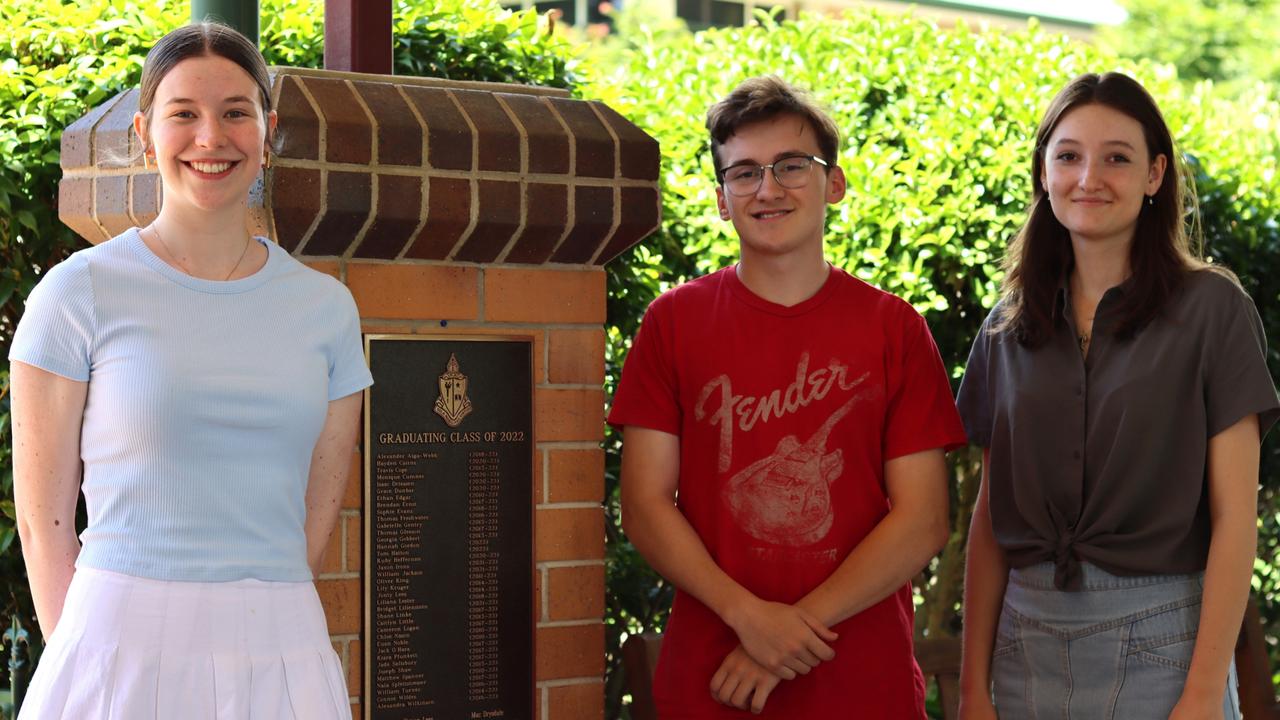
(1226, 591)
(329, 473)
(319, 528)
(986, 575)
(669, 543)
(50, 557)
(890, 555)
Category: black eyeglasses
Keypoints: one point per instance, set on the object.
(791, 172)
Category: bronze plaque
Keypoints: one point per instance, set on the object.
(448, 528)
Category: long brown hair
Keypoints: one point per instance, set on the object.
(1160, 256)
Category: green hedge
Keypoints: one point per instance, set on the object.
(938, 126)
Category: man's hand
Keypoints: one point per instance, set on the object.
(783, 639)
(742, 683)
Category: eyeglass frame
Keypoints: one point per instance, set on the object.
(720, 172)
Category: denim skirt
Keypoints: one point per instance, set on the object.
(1119, 648)
(130, 648)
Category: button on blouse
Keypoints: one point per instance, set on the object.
(1103, 459)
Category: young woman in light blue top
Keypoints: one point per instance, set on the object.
(209, 386)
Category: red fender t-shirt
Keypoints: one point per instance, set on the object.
(786, 416)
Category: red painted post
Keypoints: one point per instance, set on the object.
(357, 35)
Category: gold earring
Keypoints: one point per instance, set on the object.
(266, 161)
(148, 161)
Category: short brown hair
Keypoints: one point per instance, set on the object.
(762, 98)
(200, 40)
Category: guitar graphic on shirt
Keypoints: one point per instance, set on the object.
(785, 498)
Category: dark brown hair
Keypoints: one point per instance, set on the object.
(1040, 257)
(762, 98)
(200, 40)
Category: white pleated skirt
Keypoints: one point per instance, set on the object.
(129, 648)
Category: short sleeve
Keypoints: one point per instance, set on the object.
(1237, 382)
(648, 394)
(56, 332)
(974, 397)
(348, 371)
(920, 414)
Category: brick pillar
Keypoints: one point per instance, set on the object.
(447, 208)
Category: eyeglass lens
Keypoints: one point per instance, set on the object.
(792, 172)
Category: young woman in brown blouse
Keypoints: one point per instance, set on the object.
(1119, 390)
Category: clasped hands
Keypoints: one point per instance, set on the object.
(776, 642)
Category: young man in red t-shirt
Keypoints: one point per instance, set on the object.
(784, 429)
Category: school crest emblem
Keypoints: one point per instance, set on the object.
(453, 404)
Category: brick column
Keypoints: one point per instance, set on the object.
(454, 208)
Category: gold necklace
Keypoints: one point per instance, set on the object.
(235, 267)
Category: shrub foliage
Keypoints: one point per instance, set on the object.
(938, 127)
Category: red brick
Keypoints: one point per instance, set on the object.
(399, 210)
(570, 652)
(114, 141)
(348, 133)
(539, 481)
(298, 127)
(575, 593)
(592, 221)
(353, 497)
(640, 157)
(576, 702)
(415, 292)
(295, 202)
(331, 562)
(592, 142)
(498, 220)
(537, 595)
(112, 208)
(569, 415)
(576, 476)
(144, 197)
(328, 267)
(77, 142)
(546, 217)
(544, 296)
(641, 214)
(547, 141)
(355, 666)
(449, 138)
(388, 328)
(577, 356)
(355, 544)
(499, 139)
(448, 217)
(399, 132)
(569, 534)
(75, 208)
(347, 208)
(341, 600)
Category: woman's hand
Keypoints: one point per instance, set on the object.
(742, 682)
(1197, 707)
(977, 708)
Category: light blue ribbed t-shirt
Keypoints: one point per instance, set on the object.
(204, 405)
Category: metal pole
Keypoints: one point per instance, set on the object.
(239, 14)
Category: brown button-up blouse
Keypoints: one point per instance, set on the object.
(1104, 460)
